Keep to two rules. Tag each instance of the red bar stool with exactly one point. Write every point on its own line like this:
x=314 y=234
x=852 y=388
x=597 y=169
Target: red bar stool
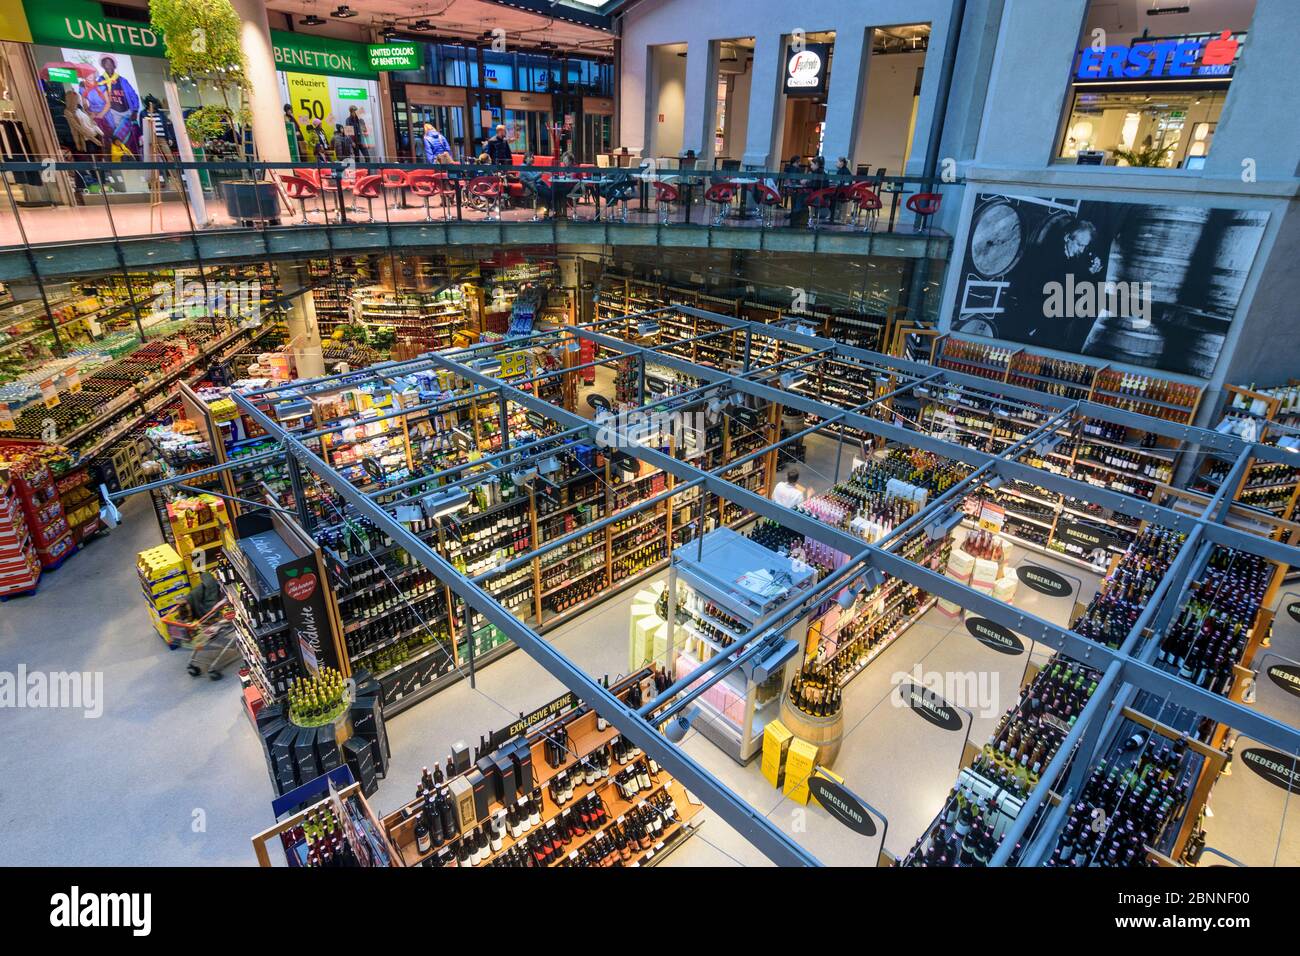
x=769 y=201
x=394 y=180
x=819 y=201
x=925 y=205
x=301 y=189
x=864 y=199
x=665 y=195
x=368 y=188
x=424 y=183
x=485 y=193
x=720 y=195
x=446 y=190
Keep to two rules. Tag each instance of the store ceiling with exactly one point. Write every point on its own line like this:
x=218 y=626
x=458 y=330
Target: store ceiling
x=462 y=19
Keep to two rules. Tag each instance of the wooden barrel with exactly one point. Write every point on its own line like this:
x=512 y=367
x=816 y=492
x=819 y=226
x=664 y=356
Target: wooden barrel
x=824 y=732
x=997 y=239
x=1196 y=260
x=1117 y=338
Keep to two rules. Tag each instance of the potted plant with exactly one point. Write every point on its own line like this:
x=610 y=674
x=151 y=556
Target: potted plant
x=1145 y=155
x=201 y=42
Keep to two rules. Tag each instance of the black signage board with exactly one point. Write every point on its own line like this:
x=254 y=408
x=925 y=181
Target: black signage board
x=842 y=804
x=1043 y=580
x=993 y=635
x=266 y=551
x=1293 y=609
x=373 y=469
x=807 y=67
x=538 y=716
x=1086 y=535
x=930 y=706
x=1279 y=769
x=338 y=568
x=302 y=592
x=1286 y=676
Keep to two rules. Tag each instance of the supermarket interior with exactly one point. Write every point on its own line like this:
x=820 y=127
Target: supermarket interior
x=574 y=454
x=748 y=564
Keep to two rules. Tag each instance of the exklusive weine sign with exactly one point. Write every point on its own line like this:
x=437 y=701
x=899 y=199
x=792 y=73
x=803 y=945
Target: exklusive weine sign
x=806 y=69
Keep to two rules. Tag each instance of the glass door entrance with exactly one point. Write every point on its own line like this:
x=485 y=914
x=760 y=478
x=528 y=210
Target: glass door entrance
x=448 y=120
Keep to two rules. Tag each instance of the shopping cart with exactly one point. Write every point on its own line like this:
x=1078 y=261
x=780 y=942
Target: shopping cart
x=210 y=640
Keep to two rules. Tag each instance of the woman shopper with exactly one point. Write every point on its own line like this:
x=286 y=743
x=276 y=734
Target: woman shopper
x=436 y=147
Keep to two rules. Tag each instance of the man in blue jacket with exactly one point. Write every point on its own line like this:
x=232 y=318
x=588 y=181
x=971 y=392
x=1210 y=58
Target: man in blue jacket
x=436 y=147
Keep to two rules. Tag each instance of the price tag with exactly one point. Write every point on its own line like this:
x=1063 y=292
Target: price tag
x=6 y=419
x=50 y=394
x=74 y=383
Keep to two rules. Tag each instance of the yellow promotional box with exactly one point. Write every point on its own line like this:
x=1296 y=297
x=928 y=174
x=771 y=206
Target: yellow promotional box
x=799 y=762
x=776 y=740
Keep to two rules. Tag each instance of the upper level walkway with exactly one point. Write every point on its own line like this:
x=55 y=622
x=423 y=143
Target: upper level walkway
x=61 y=219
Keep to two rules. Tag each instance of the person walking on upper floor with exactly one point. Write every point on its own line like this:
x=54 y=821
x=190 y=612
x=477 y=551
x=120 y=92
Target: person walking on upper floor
x=360 y=134
x=341 y=144
x=436 y=147
x=498 y=149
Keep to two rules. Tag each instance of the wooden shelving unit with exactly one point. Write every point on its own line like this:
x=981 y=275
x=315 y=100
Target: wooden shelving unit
x=584 y=739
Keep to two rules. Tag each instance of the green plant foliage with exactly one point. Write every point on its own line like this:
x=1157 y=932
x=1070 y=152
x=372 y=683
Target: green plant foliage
x=201 y=40
x=1144 y=155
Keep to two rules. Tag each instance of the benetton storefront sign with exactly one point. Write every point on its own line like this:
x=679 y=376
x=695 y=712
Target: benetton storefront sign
x=306 y=53
x=82 y=24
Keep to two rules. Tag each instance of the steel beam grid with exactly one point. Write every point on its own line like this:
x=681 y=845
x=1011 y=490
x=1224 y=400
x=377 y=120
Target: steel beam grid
x=755 y=827
x=766 y=837
x=1006 y=468
x=1082 y=649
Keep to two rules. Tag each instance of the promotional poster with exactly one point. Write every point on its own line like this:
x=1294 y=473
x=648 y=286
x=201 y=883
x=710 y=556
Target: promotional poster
x=1156 y=286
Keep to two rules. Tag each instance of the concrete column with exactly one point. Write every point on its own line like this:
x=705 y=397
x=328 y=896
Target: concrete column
x=304 y=337
x=304 y=330
x=701 y=99
x=269 y=140
x=848 y=72
x=1249 y=144
x=185 y=153
x=766 y=102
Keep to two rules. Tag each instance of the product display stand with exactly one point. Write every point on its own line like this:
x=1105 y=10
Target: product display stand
x=1266 y=486
x=561 y=771
x=358 y=825
x=727 y=583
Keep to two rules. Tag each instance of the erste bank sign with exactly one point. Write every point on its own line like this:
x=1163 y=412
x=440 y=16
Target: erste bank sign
x=1160 y=60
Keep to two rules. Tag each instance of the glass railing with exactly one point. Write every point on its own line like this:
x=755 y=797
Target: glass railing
x=52 y=204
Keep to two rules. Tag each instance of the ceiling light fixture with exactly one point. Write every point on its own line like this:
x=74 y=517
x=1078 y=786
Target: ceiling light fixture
x=344 y=12
x=311 y=20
